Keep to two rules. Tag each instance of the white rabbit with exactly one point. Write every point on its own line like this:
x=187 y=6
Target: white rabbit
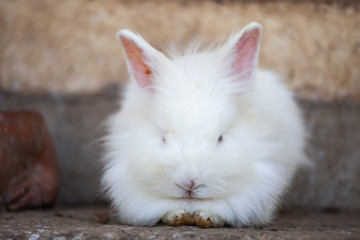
x=204 y=136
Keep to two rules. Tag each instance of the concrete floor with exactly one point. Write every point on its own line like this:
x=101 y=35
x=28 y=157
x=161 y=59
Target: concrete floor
x=97 y=223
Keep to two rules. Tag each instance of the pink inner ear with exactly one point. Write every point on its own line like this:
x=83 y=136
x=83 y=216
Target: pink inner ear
x=246 y=51
x=140 y=71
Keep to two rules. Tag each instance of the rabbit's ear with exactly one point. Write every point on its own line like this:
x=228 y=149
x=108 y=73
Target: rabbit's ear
x=245 y=51
x=141 y=58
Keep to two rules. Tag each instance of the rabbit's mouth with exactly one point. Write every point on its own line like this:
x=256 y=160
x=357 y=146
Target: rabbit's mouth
x=190 y=194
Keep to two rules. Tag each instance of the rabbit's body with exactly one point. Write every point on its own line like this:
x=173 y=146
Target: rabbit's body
x=198 y=137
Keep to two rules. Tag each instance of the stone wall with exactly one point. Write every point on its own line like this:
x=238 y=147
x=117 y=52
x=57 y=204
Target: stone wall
x=69 y=46
x=75 y=123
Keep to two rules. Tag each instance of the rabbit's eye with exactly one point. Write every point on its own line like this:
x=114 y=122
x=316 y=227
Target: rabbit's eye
x=220 y=139
x=164 y=140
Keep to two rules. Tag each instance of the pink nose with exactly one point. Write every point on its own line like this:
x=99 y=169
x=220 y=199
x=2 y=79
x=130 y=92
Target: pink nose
x=191 y=184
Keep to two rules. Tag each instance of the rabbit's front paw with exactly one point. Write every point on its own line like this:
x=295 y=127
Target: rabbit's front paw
x=207 y=219
x=178 y=217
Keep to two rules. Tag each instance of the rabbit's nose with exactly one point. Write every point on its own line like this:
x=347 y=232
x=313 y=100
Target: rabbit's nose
x=191 y=184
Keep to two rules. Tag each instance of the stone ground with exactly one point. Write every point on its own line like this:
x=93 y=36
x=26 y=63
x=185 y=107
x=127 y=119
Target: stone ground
x=97 y=223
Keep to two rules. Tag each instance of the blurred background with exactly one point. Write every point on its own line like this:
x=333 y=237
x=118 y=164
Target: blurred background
x=61 y=59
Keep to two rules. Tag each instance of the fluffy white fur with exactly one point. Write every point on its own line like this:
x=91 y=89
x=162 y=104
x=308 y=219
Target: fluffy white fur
x=167 y=134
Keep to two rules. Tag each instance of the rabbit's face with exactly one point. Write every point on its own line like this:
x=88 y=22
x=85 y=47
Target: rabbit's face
x=189 y=145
